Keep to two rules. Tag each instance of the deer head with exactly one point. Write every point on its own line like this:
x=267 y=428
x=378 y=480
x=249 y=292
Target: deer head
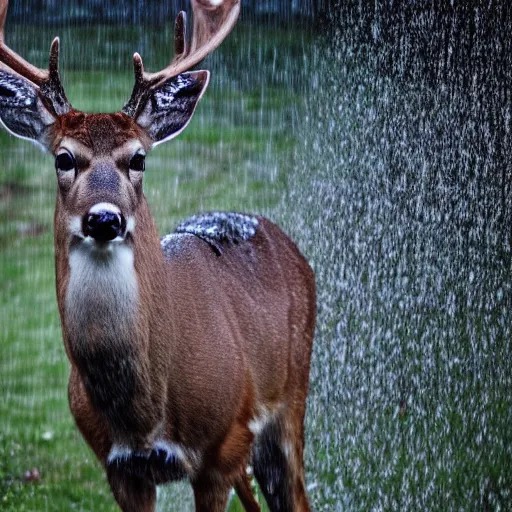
x=99 y=158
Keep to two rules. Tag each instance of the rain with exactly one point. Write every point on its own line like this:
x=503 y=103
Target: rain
x=377 y=134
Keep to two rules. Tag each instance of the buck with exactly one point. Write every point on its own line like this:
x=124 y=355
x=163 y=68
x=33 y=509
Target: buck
x=189 y=355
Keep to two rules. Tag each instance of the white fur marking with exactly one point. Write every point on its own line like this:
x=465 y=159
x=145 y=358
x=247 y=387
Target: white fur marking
x=119 y=452
x=288 y=450
x=258 y=423
x=130 y=224
x=133 y=146
x=75 y=226
x=104 y=207
x=170 y=449
x=101 y=281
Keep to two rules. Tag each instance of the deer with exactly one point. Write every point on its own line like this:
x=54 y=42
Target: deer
x=189 y=355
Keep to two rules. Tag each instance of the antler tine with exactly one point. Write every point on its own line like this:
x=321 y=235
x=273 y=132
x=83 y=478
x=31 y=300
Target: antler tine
x=213 y=21
x=180 y=35
x=3 y=16
x=48 y=80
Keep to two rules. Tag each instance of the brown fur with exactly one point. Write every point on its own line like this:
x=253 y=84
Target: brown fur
x=99 y=132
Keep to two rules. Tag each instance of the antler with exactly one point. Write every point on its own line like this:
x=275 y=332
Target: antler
x=213 y=21
x=48 y=80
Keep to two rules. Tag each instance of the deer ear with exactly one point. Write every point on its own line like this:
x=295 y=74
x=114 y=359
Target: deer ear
x=169 y=108
x=21 y=110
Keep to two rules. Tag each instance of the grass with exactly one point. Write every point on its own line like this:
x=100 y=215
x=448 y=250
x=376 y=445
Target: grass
x=226 y=160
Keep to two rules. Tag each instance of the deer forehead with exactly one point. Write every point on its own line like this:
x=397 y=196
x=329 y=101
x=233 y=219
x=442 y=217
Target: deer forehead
x=115 y=153
x=92 y=135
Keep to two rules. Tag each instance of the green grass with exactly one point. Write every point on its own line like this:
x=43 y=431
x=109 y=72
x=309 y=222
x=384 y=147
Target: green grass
x=226 y=160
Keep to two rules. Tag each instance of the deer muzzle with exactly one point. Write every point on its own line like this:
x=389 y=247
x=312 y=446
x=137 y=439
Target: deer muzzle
x=104 y=222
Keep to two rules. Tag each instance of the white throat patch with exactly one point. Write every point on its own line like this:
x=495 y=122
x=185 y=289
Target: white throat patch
x=102 y=289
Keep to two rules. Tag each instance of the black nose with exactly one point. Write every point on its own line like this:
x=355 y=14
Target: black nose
x=104 y=225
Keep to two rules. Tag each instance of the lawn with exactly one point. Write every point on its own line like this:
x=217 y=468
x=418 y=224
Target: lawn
x=228 y=159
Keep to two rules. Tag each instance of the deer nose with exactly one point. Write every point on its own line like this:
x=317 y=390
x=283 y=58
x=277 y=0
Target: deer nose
x=104 y=225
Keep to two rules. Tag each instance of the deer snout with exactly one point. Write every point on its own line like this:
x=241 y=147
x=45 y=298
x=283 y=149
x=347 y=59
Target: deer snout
x=104 y=223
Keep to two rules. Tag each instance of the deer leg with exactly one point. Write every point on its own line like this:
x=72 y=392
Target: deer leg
x=131 y=493
x=210 y=495
x=245 y=492
x=279 y=468
x=91 y=425
x=293 y=447
x=294 y=452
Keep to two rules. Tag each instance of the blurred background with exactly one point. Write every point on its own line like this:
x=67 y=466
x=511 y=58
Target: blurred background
x=157 y=12
x=378 y=135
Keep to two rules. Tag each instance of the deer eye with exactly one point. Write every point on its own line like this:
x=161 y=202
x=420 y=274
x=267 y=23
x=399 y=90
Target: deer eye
x=138 y=162
x=65 y=162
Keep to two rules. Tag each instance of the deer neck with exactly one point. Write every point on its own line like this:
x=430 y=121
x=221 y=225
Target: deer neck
x=105 y=304
x=108 y=289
